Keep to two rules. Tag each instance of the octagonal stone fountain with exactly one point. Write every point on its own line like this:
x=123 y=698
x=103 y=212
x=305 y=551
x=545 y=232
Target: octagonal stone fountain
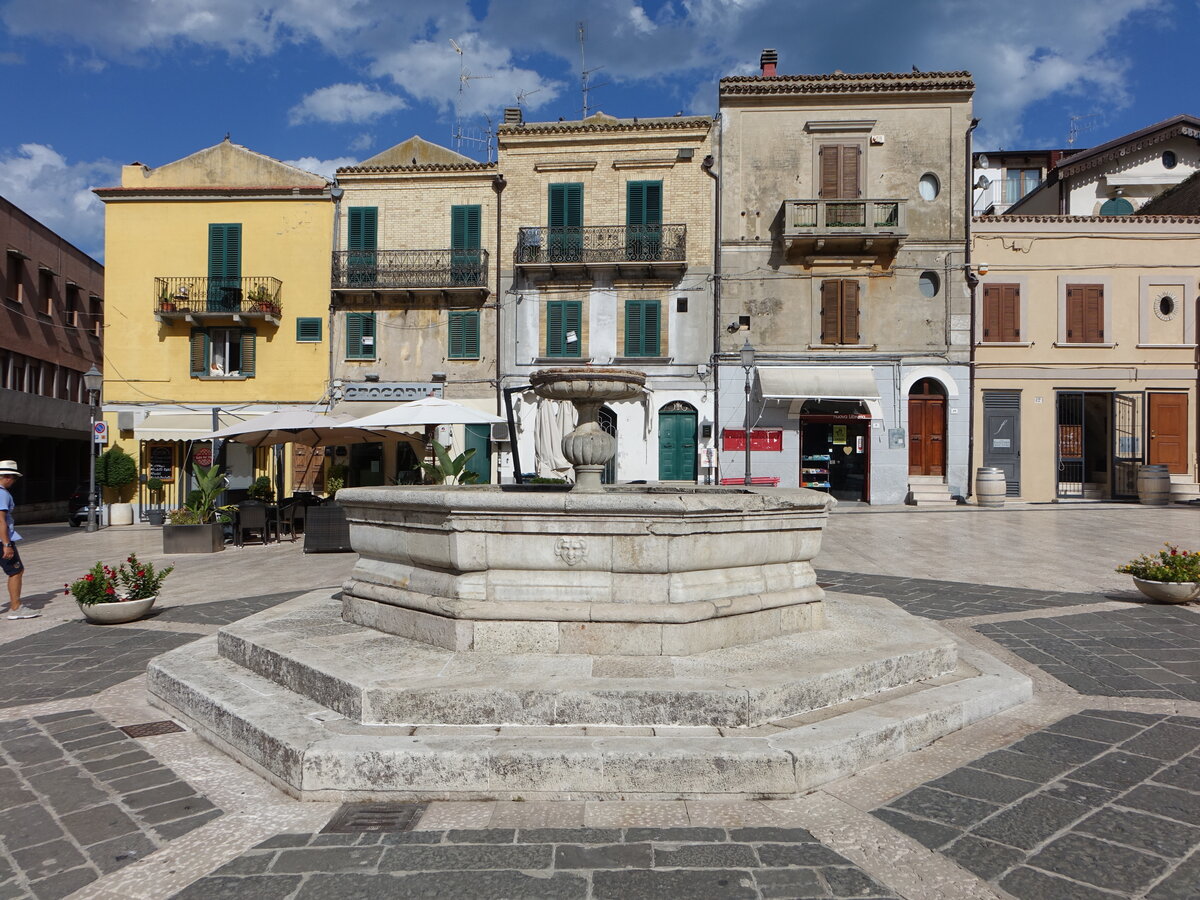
x=607 y=641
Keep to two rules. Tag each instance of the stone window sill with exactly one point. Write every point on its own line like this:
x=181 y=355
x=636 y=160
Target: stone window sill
x=1077 y=345
x=643 y=360
x=1004 y=343
x=221 y=377
x=561 y=360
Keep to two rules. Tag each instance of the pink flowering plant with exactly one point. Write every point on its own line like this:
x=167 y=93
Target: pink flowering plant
x=1171 y=565
x=131 y=580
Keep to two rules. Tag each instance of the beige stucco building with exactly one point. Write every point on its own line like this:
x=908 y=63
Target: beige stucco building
x=1085 y=356
x=611 y=220
x=843 y=225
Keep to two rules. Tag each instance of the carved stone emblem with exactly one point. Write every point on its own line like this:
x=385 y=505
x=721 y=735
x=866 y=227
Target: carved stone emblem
x=572 y=551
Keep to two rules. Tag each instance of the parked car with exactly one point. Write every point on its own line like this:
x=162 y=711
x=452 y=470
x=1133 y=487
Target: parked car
x=77 y=507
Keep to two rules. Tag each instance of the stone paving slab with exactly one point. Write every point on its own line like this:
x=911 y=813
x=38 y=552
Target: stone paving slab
x=1098 y=804
x=82 y=799
x=950 y=599
x=223 y=612
x=627 y=863
x=1142 y=651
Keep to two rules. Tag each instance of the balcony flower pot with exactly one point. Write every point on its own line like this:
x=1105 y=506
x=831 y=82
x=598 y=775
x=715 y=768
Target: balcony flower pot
x=117 y=612
x=207 y=538
x=1168 y=591
x=155 y=516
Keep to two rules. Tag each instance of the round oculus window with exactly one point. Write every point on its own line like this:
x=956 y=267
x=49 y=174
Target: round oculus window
x=1169 y=160
x=929 y=284
x=1165 y=307
x=929 y=186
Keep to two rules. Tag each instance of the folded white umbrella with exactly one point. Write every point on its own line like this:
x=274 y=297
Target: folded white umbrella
x=295 y=426
x=426 y=411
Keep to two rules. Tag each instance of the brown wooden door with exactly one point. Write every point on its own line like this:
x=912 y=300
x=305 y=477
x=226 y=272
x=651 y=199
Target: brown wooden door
x=926 y=429
x=1168 y=431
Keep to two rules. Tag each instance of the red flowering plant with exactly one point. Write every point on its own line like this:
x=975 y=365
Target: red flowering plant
x=132 y=580
x=1171 y=565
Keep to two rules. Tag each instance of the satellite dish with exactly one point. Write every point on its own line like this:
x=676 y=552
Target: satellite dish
x=983 y=183
x=982 y=161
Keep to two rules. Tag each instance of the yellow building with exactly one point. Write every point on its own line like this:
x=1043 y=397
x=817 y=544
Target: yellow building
x=218 y=269
x=1085 y=352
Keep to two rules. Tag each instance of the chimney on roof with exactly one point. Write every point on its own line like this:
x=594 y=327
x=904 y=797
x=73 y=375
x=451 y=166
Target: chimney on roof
x=513 y=116
x=768 y=60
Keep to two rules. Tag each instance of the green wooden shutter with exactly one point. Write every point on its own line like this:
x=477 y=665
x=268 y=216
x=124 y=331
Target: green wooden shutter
x=565 y=218
x=364 y=228
x=248 y=354
x=199 y=352
x=308 y=330
x=224 y=267
x=360 y=336
x=465 y=241
x=563 y=316
x=554 y=328
x=642 y=324
x=643 y=218
x=464 y=334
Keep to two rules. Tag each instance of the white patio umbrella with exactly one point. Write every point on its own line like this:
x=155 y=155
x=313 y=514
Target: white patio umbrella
x=426 y=411
x=296 y=426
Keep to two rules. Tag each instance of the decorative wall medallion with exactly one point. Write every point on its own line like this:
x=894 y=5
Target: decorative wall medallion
x=572 y=551
x=1166 y=306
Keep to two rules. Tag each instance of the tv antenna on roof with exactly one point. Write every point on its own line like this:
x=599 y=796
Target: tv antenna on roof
x=460 y=136
x=1074 y=129
x=521 y=95
x=584 y=72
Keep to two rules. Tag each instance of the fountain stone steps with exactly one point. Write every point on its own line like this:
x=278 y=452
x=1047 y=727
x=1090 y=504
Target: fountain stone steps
x=869 y=646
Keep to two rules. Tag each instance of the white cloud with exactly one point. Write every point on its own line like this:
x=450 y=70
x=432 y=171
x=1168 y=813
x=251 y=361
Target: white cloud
x=58 y=193
x=340 y=103
x=363 y=142
x=323 y=167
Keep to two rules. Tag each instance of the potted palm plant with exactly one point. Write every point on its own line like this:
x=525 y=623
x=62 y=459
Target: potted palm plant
x=1169 y=576
x=198 y=526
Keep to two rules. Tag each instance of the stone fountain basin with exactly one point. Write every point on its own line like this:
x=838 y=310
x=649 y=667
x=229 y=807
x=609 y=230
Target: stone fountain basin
x=634 y=571
x=575 y=384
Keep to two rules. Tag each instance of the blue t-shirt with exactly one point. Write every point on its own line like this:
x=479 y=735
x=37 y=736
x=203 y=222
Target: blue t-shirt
x=7 y=505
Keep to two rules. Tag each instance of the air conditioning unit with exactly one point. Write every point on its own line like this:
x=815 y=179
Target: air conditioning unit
x=125 y=421
x=500 y=432
x=685 y=153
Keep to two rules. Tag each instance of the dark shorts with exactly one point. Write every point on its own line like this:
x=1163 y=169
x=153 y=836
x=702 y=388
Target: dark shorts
x=12 y=566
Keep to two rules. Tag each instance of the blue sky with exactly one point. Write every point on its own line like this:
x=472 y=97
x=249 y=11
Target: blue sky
x=93 y=84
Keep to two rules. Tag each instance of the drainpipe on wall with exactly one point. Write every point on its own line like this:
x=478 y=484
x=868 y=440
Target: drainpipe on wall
x=498 y=185
x=707 y=167
x=972 y=283
x=335 y=192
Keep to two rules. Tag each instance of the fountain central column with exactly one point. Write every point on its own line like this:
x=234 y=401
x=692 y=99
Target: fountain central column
x=589 y=447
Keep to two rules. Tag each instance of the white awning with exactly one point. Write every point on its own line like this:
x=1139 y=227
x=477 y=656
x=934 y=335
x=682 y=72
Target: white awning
x=164 y=426
x=817 y=383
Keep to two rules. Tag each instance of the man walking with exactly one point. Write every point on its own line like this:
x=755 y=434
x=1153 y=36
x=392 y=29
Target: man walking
x=10 y=561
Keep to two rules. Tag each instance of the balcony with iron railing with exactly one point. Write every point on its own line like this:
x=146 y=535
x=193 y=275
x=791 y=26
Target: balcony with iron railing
x=840 y=226
x=398 y=271
x=195 y=297
x=645 y=248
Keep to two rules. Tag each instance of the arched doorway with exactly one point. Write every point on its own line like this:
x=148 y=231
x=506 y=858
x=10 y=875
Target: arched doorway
x=927 y=428
x=607 y=420
x=677 y=442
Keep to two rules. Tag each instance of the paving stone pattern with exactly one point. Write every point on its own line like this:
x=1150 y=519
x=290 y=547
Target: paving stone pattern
x=950 y=599
x=80 y=799
x=223 y=612
x=1144 y=651
x=1097 y=805
x=77 y=660
x=622 y=864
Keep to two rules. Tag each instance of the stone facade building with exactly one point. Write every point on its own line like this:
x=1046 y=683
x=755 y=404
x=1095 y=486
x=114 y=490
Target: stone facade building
x=611 y=220
x=51 y=322
x=843 y=225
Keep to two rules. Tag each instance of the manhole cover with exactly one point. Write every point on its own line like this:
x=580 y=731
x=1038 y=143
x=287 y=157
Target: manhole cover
x=149 y=729
x=354 y=817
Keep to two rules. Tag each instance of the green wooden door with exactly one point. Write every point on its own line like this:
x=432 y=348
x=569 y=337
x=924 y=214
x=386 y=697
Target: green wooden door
x=677 y=445
x=362 y=240
x=465 y=241
x=224 y=267
x=479 y=439
x=565 y=240
x=643 y=221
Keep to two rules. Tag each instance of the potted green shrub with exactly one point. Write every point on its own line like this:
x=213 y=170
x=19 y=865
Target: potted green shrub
x=261 y=490
x=155 y=487
x=1169 y=576
x=198 y=526
x=108 y=596
x=115 y=471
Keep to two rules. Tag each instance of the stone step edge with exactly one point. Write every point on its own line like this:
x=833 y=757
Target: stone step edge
x=281 y=736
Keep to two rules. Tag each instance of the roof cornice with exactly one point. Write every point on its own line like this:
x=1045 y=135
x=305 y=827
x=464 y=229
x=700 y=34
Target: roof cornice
x=841 y=83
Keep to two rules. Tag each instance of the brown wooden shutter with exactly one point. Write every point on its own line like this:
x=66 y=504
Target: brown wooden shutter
x=849 y=312
x=830 y=318
x=1093 y=314
x=830 y=171
x=850 y=181
x=1009 y=312
x=991 y=312
x=1074 y=314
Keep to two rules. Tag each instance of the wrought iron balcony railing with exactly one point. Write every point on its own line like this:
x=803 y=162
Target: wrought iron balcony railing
x=399 y=270
x=602 y=244
x=855 y=218
x=195 y=295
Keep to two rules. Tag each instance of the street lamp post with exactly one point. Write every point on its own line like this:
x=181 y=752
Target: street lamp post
x=93 y=380
x=747 y=354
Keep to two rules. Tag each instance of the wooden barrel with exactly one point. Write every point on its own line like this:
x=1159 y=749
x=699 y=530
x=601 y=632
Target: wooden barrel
x=990 y=486
x=1154 y=485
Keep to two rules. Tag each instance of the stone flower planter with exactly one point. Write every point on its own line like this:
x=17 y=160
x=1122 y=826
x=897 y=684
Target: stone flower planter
x=1168 y=591
x=116 y=613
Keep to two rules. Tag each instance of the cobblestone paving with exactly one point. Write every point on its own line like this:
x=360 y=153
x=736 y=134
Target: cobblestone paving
x=81 y=799
x=1097 y=805
x=950 y=599
x=77 y=660
x=1144 y=651
x=223 y=612
x=631 y=863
